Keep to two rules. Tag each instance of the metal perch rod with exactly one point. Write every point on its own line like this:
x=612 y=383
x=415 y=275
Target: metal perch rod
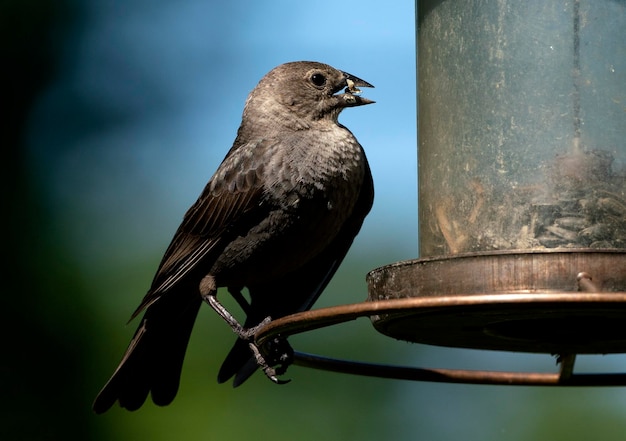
x=319 y=318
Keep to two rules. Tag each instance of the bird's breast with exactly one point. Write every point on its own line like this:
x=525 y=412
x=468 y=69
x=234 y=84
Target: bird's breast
x=327 y=178
x=309 y=196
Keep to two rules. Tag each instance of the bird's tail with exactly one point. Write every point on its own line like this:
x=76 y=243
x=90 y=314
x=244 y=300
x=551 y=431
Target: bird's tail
x=153 y=361
x=239 y=363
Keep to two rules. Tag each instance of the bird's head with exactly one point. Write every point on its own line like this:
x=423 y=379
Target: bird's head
x=307 y=91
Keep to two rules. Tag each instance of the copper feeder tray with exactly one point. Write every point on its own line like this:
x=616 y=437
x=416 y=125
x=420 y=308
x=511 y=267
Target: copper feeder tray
x=555 y=302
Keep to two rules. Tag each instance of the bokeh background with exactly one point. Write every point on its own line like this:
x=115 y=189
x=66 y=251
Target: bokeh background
x=115 y=114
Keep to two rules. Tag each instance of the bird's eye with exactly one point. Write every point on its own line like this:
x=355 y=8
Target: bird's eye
x=318 y=79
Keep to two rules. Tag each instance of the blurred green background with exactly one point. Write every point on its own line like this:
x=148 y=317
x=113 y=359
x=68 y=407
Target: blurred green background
x=115 y=114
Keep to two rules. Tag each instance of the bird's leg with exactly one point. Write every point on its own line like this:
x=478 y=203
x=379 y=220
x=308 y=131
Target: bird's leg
x=208 y=291
x=211 y=299
x=243 y=333
x=280 y=353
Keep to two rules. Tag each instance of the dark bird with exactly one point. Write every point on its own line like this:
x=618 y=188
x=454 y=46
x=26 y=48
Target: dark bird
x=277 y=217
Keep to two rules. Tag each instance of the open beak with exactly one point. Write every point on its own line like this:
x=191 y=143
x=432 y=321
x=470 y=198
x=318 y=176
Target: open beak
x=351 y=92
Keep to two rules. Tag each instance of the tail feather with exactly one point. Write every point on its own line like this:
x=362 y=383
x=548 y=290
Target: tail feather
x=154 y=358
x=239 y=363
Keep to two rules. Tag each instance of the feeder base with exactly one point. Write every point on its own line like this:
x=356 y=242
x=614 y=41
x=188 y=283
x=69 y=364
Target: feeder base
x=559 y=302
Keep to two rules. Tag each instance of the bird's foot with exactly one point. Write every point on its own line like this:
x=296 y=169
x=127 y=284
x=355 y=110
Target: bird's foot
x=277 y=360
x=277 y=352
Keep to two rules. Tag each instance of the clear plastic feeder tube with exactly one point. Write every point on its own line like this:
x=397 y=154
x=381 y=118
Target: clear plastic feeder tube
x=522 y=125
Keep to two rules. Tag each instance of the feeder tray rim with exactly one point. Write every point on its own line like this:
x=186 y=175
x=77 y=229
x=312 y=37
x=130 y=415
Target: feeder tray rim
x=495 y=253
x=323 y=317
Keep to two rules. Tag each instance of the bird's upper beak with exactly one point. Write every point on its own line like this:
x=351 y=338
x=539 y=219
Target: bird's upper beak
x=355 y=81
x=351 y=92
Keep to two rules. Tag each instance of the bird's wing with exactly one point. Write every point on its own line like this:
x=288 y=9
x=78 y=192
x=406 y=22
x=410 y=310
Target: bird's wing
x=225 y=207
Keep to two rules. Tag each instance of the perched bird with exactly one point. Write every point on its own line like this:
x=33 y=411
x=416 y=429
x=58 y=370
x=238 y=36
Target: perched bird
x=277 y=218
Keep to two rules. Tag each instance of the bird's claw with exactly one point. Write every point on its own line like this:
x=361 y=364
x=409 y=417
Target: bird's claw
x=280 y=354
x=273 y=373
x=275 y=379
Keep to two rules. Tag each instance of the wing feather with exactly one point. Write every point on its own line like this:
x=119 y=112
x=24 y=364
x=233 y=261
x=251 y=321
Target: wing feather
x=222 y=210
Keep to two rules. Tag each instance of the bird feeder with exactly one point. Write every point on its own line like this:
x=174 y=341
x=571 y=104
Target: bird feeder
x=522 y=191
